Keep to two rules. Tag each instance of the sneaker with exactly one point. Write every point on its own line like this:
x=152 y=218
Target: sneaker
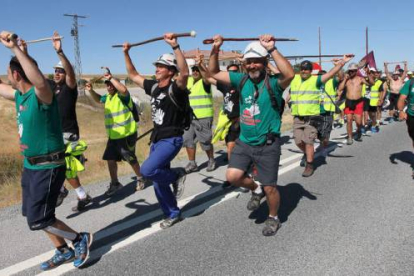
x=179 y=184
x=191 y=167
x=113 y=187
x=59 y=258
x=271 y=227
x=358 y=136
x=349 y=141
x=62 y=196
x=211 y=165
x=82 y=249
x=308 y=170
x=226 y=185
x=140 y=184
x=324 y=153
x=82 y=203
x=168 y=222
x=363 y=131
x=303 y=161
x=254 y=202
x=374 y=130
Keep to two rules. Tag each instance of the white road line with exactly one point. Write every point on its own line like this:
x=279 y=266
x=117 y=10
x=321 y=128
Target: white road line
x=16 y=268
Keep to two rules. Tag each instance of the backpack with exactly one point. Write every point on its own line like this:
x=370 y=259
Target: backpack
x=184 y=107
x=135 y=110
x=272 y=96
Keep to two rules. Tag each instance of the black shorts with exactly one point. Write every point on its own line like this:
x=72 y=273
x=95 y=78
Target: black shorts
x=366 y=104
x=324 y=131
x=372 y=108
x=234 y=132
x=121 y=149
x=410 y=126
x=40 y=190
x=266 y=159
x=393 y=101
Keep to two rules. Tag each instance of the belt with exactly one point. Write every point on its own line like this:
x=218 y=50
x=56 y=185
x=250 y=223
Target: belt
x=57 y=158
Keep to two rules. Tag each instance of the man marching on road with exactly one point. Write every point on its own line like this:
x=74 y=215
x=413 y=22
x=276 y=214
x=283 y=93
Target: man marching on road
x=396 y=82
x=201 y=100
x=260 y=105
x=306 y=99
x=407 y=95
x=168 y=101
x=66 y=90
x=354 y=104
x=374 y=101
x=42 y=146
x=121 y=128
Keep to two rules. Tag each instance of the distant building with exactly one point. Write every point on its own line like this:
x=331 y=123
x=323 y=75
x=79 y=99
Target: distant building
x=225 y=57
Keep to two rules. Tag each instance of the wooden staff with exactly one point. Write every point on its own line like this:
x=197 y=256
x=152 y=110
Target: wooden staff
x=395 y=62
x=211 y=41
x=316 y=56
x=43 y=39
x=192 y=34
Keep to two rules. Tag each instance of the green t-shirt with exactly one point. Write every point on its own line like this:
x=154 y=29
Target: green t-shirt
x=124 y=98
x=257 y=116
x=39 y=127
x=410 y=97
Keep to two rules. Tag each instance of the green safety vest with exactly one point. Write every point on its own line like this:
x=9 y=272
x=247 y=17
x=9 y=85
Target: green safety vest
x=119 y=121
x=375 y=93
x=331 y=91
x=305 y=96
x=200 y=100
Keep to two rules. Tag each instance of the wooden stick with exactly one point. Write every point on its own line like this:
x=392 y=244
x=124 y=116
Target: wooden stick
x=395 y=62
x=211 y=41
x=192 y=34
x=314 y=56
x=43 y=39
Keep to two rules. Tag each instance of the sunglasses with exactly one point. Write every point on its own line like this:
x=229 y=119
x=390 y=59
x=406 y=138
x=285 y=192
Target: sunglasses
x=352 y=71
x=60 y=71
x=305 y=69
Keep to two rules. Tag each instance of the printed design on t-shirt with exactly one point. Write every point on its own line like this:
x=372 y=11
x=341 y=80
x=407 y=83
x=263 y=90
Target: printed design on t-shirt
x=228 y=105
x=248 y=114
x=20 y=128
x=157 y=112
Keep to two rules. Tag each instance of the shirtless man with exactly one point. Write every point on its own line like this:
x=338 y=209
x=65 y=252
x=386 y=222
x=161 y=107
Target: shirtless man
x=396 y=82
x=354 y=105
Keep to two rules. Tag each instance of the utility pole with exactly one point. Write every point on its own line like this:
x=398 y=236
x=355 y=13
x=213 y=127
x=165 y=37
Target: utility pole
x=366 y=41
x=75 y=33
x=320 y=48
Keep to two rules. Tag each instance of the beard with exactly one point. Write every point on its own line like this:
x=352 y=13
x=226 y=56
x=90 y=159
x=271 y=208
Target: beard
x=254 y=74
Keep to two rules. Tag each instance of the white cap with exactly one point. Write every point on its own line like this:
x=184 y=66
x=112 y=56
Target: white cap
x=352 y=66
x=254 y=50
x=409 y=73
x=168 y=60
x=59 y=65
x=373 y=69
x=383 y=75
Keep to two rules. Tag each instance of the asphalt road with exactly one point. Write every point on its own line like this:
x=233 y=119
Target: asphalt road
x=354 y=216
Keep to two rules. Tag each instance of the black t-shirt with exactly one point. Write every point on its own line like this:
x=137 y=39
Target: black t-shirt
x=230 y=100
x=66 y=98
x=167 y=118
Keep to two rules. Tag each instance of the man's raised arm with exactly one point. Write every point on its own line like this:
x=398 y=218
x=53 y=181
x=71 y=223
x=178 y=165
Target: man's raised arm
x=213 y=64
x=181 y=62
x=70 y=73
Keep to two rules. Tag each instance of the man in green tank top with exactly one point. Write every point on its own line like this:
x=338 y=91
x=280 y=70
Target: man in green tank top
x=41 y=143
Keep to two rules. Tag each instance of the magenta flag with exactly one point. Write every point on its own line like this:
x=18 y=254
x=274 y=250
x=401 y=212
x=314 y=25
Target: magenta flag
x=368 y=59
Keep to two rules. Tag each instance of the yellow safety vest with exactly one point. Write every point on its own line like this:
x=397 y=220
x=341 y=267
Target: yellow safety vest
x=375 y=93
x=73 y=165
x=331 y=91
x=200 y=100
x=119 y=121
x=305 y=96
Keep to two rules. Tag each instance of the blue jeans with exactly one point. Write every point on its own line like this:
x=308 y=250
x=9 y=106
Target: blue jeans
x=157 y=168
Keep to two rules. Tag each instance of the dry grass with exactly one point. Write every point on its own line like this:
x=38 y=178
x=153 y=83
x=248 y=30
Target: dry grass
x=91 y=123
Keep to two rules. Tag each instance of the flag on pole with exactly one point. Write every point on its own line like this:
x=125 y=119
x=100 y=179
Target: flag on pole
x=367 y=60
x=316 y=68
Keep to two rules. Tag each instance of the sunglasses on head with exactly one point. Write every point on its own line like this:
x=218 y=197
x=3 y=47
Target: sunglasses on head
x=60 y=71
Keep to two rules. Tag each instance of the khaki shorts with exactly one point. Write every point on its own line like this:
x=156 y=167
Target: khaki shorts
x=303 y=132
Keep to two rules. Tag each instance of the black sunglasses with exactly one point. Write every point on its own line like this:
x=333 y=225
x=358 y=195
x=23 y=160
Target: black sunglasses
x=60 y=71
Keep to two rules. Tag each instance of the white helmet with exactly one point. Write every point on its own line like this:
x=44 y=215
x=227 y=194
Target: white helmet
x=254 y=50
x=59 y=65
x=167 y=59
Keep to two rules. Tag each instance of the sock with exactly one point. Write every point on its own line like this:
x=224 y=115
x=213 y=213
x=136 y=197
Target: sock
x=275 y=217
x=80 y=192
x=62 y=189
x=193 y=162
x=62 y=248
x=258 y=190
x=211 y=160
x=77 y=239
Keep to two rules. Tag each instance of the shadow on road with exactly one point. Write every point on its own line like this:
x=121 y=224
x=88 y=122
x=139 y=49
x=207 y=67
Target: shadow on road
x=403 y=156
x=290 y=195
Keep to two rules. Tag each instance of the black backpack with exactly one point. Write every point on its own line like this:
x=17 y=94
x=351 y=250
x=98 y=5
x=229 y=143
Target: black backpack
x=269 y=89
x=184 y=107
x=134 y=110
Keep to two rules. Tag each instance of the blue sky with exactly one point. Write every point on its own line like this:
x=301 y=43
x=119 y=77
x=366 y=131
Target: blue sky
x=113 y=22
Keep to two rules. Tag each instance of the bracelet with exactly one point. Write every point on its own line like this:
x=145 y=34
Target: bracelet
x=271 y=50
x=176 y=47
